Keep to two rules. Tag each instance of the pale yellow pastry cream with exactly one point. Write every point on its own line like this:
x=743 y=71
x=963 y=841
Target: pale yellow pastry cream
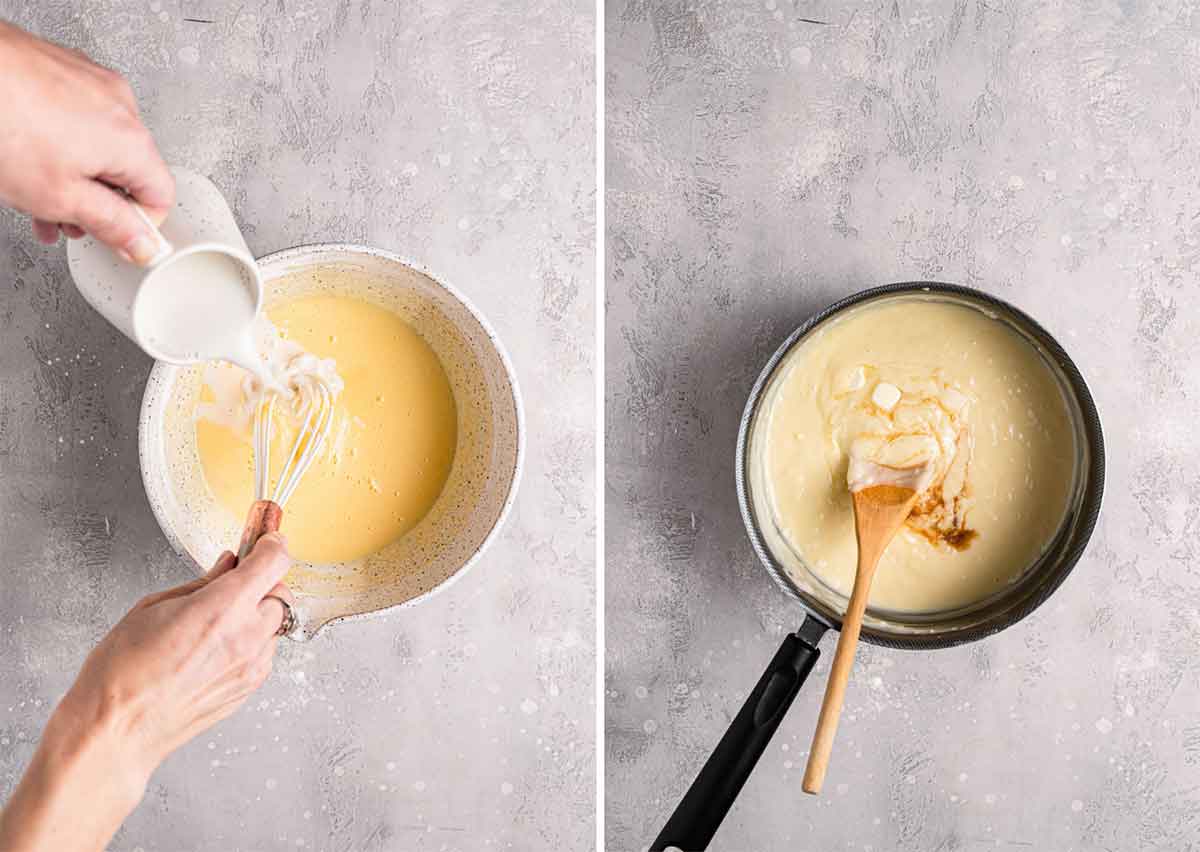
x=940 y=390
x=392 y=440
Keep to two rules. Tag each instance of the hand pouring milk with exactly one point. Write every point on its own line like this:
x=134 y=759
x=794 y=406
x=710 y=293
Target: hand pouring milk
x=198 y=299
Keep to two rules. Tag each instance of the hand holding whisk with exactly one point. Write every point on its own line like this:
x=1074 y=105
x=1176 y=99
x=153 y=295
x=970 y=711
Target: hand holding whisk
x=266 y=513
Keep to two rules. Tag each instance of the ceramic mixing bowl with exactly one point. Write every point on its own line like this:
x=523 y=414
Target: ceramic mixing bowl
x=482 y=482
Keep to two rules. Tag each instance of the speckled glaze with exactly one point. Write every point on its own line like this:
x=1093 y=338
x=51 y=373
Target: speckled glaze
x=479 y=490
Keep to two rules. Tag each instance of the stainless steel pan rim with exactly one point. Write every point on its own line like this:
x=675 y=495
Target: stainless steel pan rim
x=1038 y=583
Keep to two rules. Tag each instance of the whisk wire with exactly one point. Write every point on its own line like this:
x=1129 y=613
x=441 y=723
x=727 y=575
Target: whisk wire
x=263 y=422
x=318 y=417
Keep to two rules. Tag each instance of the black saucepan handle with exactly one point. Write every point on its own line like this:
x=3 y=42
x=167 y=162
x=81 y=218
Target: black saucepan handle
x=711 y=795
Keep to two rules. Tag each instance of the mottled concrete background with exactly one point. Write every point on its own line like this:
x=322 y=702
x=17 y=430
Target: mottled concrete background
x=460 y=134
x=761 y=165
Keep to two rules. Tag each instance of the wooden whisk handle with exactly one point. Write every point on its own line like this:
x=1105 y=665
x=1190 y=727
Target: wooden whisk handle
x=265 y=517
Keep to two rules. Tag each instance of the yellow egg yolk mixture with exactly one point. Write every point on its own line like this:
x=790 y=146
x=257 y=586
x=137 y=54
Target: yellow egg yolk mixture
x=390 y=447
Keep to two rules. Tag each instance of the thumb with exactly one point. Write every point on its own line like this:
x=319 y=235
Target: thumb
x=112 y=218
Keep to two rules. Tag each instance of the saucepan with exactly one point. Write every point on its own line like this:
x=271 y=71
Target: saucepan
x=483 y=478
x=714 y=790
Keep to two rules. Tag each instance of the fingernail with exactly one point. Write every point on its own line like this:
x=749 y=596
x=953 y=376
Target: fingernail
x=141 y=250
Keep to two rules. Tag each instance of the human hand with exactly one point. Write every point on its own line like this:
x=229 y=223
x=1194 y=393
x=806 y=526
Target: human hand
x=184 y=659
x=176 y=664
x=70 y=135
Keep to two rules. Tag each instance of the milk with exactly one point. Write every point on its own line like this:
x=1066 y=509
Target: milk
x=201 y=306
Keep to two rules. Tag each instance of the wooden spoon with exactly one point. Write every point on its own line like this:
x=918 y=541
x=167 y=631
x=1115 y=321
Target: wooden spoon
x=879 y=512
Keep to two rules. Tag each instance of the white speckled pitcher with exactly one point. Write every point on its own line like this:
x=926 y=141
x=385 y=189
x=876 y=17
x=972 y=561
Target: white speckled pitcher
x=478 y=493
x=200 y=222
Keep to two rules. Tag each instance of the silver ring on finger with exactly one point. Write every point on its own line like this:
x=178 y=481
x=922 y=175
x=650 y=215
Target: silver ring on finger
x=289 y=621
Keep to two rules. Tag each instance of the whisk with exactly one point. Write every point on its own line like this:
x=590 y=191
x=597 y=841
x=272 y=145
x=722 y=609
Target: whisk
x=267 y=512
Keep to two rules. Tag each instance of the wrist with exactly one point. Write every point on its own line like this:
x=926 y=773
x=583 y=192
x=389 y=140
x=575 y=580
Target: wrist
x=90 y=743
x=76 y=791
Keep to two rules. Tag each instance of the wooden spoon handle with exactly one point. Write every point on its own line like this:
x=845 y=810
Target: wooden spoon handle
x=839 y=674
x=265 y=517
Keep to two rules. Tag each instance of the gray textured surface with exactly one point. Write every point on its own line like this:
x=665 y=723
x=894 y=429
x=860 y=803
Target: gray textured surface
x=759 y=167
x=459 y=135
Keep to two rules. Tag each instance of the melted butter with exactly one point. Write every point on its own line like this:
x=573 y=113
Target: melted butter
x=977 y=404
x=390 y=448
x=916 y=434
